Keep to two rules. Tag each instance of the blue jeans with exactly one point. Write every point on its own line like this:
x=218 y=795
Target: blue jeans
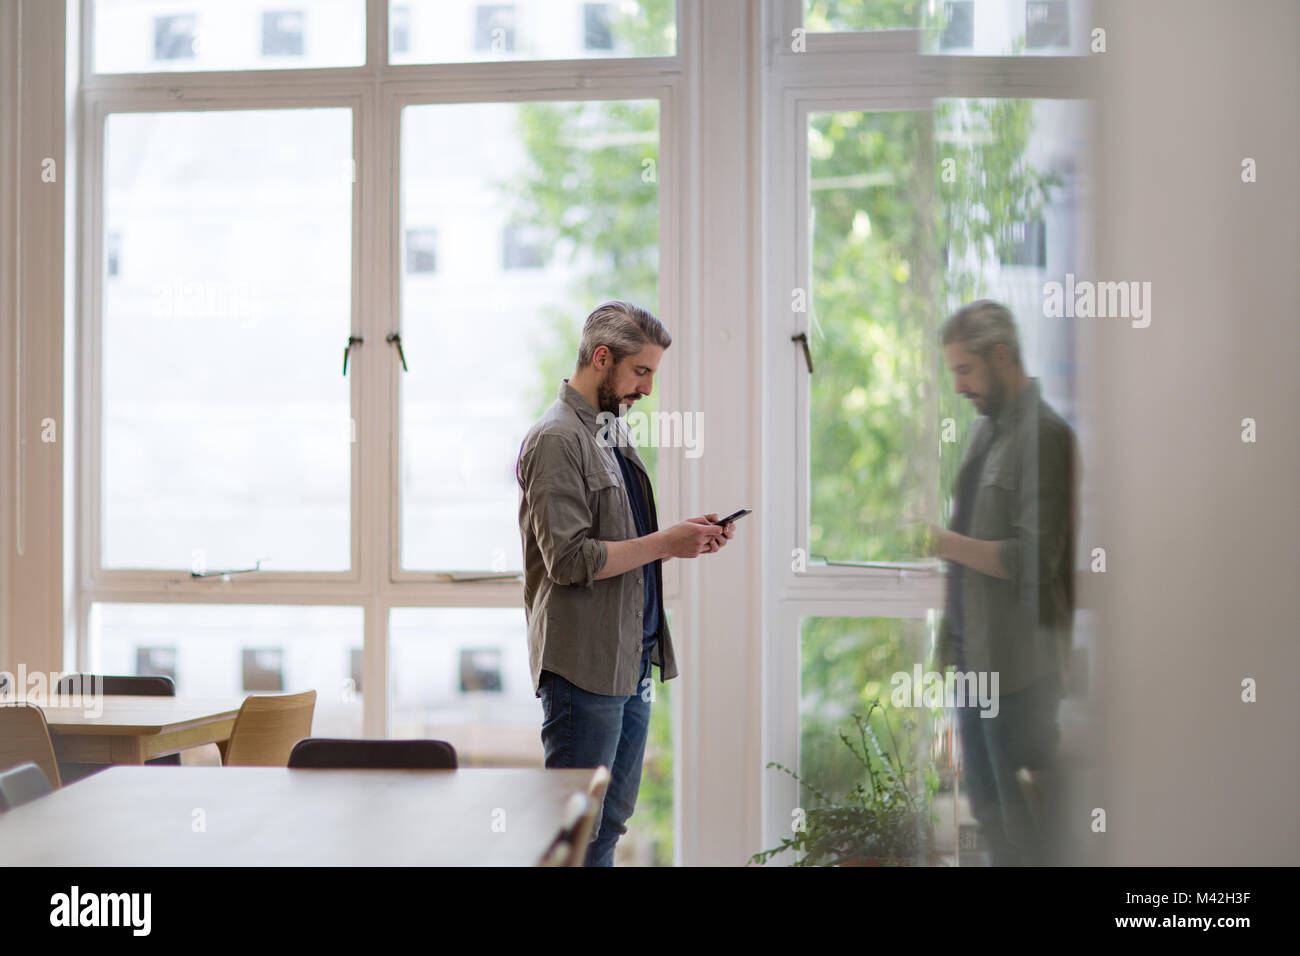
x=1023 y=734
x=582 y=729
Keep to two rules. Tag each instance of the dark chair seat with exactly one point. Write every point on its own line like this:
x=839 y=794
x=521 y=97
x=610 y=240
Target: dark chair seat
x=22 y=784
x=113 y=685
x=350 y=754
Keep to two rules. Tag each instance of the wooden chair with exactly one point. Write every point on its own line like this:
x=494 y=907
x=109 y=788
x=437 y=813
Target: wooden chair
x=352 y=754
x=570 y=846
x=23 y=784
x=567 y=845
x=25 y=738
x=266 y=730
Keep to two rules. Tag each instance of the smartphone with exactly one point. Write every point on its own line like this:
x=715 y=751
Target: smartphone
x=723 y=522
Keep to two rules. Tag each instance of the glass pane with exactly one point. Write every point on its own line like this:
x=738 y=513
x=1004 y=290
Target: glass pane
x=457 y=31
x=461 y=675
x=231 y=650
x=966 y=27
x=913 y=215
x=1014 y=218
x=872 y=445
x=846 y=664
x=154 y=36
x=517 y=220
x=227 y=434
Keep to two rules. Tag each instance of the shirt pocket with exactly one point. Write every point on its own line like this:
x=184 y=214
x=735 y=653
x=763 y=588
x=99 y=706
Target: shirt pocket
x=610 y=511
x=995 y=501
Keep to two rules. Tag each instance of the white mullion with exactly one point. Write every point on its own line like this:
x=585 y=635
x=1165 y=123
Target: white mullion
x=376 y=37
x=672 y=385
x=519 y=76
x=375 y=419
x=219 y=592
x=89 y=337
x=389 y=316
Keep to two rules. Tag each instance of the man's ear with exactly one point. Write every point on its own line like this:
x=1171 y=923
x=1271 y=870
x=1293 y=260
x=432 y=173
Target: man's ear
x=600 y=357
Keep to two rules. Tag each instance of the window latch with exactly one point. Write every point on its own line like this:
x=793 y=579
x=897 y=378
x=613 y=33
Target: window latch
x=802 y=339
x=395 y=338
x=352 y=340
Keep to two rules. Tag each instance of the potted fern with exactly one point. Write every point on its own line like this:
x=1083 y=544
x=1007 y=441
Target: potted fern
x=882 y=821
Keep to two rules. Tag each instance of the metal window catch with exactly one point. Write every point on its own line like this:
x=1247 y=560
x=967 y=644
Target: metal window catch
x=395 y=338
x=352 y=340
x=802 y=339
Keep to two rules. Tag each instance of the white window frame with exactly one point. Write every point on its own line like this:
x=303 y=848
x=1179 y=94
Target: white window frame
x=376 y=92
x=870 y=71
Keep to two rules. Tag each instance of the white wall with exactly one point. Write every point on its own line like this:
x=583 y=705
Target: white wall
x=32 y=116
x=1201 y=530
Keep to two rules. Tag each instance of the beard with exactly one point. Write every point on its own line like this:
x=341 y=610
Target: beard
x=607 y=397
x=996 y=397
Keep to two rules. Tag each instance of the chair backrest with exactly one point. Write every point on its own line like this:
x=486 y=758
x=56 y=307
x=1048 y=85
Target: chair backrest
x=149 y=685
x=23 y=784
x=569 y=848
x=599 y=784
x=25 y=738
x=267 y=728
x=596 y=799
x=351 y=754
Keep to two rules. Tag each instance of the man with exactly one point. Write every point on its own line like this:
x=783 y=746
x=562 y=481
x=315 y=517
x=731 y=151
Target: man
x=1010 y=596
x=593 y=556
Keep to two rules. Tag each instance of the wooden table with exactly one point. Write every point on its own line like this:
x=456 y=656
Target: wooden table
x=273 y=816
x=135 y=729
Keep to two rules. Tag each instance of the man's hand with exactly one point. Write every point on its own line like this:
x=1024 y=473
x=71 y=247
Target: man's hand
x=694 y=536
x=727 y=533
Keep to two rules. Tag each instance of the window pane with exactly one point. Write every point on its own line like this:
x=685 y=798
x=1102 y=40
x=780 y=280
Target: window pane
x=227 y=433
x=914 y=214
x=968 y=27
x=872 y=446
x=518 y=220
x=230 y=650
x=151 y=36
x=847 y=663
x=455 y=31
x=461 y=675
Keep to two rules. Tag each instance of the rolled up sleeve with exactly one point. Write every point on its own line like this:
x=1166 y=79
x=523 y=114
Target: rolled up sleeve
x=555 y=495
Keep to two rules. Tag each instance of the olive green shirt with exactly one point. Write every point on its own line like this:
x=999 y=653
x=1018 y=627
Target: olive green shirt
x=571 y=501
x=1021 y=627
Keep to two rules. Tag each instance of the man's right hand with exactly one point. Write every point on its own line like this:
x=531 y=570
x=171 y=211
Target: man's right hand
x=692 y=537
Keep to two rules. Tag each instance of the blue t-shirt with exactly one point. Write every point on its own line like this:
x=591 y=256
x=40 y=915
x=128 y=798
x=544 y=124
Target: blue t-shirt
x=641 y=515
x=968 y=482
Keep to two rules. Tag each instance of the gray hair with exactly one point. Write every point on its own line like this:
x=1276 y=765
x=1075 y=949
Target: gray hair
x=980 y=326
x=621 y=327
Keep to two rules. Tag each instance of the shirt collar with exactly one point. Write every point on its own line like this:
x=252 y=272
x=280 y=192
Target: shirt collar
x=573 y=398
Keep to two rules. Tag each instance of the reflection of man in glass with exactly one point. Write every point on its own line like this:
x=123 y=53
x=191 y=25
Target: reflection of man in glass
x=1010 y=548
